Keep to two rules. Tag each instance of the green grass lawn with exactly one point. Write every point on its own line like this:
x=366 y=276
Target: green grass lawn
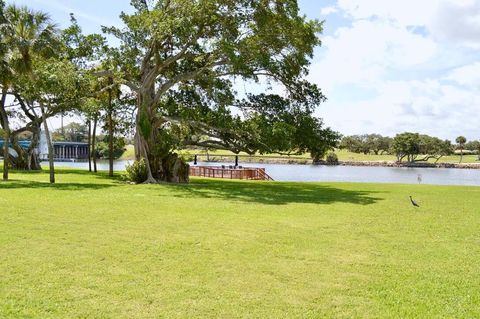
x=90 y=247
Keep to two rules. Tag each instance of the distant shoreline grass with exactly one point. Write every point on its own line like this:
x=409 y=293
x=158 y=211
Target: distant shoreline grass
x=343 y=156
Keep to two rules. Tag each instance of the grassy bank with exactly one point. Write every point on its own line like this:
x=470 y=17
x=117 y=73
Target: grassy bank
x=129 y=153
x=92 y=247
x=343 y=155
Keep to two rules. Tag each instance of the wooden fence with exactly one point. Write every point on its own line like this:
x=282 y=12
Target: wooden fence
x=249 y=173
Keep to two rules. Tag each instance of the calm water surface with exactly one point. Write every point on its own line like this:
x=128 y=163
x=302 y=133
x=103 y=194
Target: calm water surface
x=313 y=173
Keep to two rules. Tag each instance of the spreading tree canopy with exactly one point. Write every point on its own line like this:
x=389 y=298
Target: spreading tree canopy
x=181 y=59
x=419 y=147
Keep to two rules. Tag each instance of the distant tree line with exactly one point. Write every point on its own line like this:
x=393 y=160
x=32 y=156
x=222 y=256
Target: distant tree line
x=410 y=147
x=366 y=143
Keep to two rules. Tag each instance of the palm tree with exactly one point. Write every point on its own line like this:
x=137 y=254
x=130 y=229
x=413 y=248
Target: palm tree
x=24 y=35
x=461 y=140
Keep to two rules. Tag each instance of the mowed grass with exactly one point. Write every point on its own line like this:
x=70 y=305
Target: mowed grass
x=91 y=247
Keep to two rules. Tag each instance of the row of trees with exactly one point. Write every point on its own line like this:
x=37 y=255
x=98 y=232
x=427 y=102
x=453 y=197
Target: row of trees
x=45 y=72
x=412 y=147
x=171 y=78
x=367 y=143
x=420 y=147
x=472 y=146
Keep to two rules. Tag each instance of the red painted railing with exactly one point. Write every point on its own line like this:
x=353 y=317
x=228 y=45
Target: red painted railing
x=248 y=173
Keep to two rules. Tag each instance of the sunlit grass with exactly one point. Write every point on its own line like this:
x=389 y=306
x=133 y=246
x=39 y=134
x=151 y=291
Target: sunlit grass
x=91 y=247
x=129 y=153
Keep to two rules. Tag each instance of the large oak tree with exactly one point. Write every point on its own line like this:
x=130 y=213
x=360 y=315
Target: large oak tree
x=173 y=51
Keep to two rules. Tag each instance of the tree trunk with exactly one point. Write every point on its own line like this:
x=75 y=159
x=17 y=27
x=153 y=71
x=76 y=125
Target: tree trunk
x=136 y=146
x=30 y=153
x=6 y=139
x=169 y=168
x=145 y=137
x=94 y=143
x=110 y=130
x=50 y=146
x=27 y=159
x=162 y=166
x=6 y=129
x=89 y=151
x=141 y=147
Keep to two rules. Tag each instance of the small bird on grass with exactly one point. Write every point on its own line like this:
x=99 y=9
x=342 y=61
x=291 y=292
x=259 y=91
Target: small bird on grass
x=414 y=203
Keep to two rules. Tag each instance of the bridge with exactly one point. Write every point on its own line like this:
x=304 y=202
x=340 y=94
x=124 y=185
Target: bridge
x=69 y=151
x=63 y=151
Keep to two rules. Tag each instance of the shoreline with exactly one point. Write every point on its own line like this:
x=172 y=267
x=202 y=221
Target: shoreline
x=403 y=164
x=291 y=161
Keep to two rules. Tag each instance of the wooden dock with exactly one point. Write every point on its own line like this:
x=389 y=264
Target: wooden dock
x=230 y=172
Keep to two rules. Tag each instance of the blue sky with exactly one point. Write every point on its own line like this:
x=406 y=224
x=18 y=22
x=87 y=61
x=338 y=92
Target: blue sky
x=385 y=66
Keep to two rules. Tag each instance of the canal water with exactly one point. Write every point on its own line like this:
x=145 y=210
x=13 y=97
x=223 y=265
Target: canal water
x=360 y=174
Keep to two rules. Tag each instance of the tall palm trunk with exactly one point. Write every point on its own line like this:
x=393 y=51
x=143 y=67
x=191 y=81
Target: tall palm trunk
x=94 y=143
x=89 y=142
x=49 y=144
x=5 y=154
x=6 y=129
x=110 y=130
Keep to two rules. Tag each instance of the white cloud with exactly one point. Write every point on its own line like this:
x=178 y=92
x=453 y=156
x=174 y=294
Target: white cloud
x=390 y=70
x=429 y=106
x=328 y=10
x=405 y=12
x=457 y=22
x=467 y=75
x=445 y=20
x=365 y=51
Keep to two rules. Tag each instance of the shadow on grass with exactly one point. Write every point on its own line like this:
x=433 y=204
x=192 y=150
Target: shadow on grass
x=91 y=183
x=19 y=184
x=70 y=171
x=244 y=191
x=274 y=193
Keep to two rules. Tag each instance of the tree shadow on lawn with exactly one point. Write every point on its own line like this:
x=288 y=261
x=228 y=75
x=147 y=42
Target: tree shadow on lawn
x=274 y=193
x=70 y=171
x=60 y=184
x=277 y=193
x=68 y=186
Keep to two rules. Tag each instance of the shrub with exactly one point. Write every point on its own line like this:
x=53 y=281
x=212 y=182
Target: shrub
x=136 y=172
x=332 y=158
